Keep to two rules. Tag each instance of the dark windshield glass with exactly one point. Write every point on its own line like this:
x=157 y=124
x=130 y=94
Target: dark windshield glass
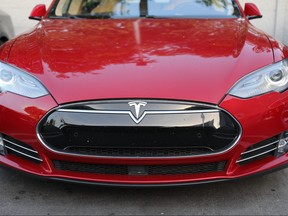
x=144 y=8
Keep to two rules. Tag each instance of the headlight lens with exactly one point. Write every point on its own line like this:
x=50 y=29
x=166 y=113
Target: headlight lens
x=271 y=78
x=19 y=82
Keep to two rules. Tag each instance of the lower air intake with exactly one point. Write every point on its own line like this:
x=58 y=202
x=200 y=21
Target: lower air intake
x=259 y=151
x=140 y=170
x=21 y=150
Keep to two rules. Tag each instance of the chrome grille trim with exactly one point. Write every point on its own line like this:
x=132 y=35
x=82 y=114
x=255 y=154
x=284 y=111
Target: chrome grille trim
x=143 y=115
x=19 y=146
x=26 y=155
x=256 y=149
x=147 y=112
x=21 y=149
x=137 y=152
x=255 y=156
x=213 y=108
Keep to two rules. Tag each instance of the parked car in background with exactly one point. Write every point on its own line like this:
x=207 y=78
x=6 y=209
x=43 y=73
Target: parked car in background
x=6 y=27
x=144 y=92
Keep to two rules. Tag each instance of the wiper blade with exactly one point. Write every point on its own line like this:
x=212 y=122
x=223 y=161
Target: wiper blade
x=104 y=16
x=154 y=17
x=94 y=16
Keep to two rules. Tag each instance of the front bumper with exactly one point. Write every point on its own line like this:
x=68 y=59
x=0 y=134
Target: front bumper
x=261 y=119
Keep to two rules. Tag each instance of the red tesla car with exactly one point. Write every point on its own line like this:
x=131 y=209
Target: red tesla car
x=144 y=92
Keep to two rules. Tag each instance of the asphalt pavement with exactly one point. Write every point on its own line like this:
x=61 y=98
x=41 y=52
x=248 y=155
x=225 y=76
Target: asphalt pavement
x=24 y=195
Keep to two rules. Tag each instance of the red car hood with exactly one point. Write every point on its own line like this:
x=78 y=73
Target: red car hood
x=184 y=59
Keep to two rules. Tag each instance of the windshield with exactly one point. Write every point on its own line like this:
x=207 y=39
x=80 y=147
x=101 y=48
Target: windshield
x=100 y=9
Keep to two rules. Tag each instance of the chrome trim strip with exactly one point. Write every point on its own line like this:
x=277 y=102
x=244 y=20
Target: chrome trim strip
x=252 y=150
x=67 y=148
x=38 y=159
x=62 y=107
x=245 y=159
x=137 y=121
x=20 y=146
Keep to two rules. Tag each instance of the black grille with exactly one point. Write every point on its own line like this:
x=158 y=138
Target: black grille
x=106 y=128
x=140 y=170
x=137 y=152
x=259 y=151
x=21 y=149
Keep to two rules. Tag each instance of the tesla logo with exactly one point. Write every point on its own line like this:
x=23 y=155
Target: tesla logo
x=137 y=106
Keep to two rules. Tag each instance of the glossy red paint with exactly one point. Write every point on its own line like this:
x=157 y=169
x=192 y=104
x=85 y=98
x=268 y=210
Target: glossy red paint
x=145 y=65
x=179 y=59
x=280 y=50
x=252 y=10
x=38 y=11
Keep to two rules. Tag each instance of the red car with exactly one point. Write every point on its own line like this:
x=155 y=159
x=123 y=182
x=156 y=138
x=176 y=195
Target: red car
x=144 y=92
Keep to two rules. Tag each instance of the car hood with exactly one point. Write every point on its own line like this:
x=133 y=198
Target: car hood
x=184 y=59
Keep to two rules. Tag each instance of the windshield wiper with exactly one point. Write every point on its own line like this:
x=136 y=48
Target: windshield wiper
x=103 y=16
x=154 y=17
x=94 y=16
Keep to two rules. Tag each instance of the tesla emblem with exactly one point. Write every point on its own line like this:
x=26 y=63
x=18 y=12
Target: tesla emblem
x=137 y=106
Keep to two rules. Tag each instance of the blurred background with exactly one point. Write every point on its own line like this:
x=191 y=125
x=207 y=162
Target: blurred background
x=274 y=21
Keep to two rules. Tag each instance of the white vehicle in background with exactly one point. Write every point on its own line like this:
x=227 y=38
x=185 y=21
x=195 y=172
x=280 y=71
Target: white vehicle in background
x=6 y=27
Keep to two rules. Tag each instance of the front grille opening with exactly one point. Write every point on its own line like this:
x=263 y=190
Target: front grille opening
x=20 y=149
x=168 y=129
x=140 y=170
x=264 y=149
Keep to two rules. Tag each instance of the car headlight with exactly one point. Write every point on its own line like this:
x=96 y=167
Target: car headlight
x=19 y=82
x=271 y=78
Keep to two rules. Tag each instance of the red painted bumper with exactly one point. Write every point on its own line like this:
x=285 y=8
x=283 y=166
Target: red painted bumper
x=261 y=118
